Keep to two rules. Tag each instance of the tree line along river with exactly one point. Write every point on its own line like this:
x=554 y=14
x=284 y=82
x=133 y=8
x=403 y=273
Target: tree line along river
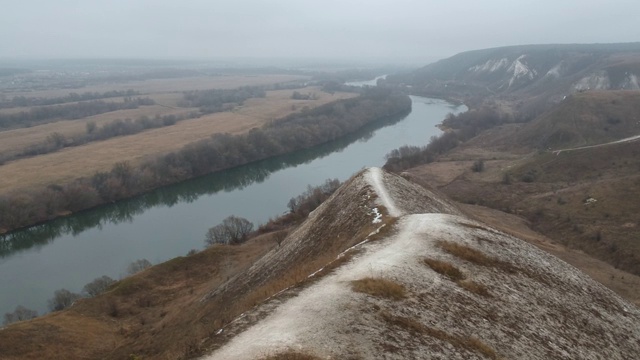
x=72 y=251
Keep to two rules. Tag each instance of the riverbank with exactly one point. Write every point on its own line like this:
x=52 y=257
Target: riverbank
x=170 y=221
x=222 y=152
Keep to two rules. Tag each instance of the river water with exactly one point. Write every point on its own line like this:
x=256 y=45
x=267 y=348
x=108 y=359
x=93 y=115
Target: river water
x=72 y=251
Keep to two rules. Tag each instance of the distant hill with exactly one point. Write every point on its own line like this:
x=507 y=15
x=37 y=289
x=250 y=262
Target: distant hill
x=529 y=72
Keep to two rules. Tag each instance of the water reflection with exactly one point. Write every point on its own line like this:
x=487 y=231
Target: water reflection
x=185 y=192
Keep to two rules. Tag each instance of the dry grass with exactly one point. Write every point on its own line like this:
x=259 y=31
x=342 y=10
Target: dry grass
x=470 y=254
x=445 y=268
x=291 y=355
x=71 y=163
x=14 y=141
x=453 y=273
x=155 y=314
x=623 y=283
x=380 y=288
x=415 y=327
x=466 y=253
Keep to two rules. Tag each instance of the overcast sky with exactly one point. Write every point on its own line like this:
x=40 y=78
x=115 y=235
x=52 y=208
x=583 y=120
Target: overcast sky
x=409 y=30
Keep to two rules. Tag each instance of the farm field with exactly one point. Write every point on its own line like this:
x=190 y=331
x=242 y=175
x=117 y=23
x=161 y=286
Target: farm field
x=73 y=162
x=154 y=86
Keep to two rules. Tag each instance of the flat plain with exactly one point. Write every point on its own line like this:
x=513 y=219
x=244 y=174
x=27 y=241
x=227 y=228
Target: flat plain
x=74 y=162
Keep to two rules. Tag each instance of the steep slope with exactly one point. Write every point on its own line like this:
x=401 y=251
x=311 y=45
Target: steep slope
x=349 y=217
x=532 y=73
x=438 y=286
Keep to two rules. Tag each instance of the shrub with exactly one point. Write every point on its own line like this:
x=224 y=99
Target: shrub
x=232 y=231
x=62 y=299
x=21 y=313
x=98 y=286
x=478 y=166
x=530 y=176
x=137 y=266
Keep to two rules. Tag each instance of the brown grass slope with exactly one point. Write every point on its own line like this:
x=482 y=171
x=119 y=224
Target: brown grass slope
x=584 y=119
x=156 y=314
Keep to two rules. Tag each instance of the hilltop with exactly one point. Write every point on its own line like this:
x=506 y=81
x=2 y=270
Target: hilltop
x=384 y=267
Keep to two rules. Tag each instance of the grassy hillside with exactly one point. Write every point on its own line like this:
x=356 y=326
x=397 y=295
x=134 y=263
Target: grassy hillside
x=583 y=119
x=523 y=175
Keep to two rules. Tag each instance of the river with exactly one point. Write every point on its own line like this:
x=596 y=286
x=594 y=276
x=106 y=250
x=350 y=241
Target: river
x=72 y=251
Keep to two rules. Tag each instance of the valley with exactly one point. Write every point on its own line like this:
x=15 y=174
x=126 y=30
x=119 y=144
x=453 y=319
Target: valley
x=512 y=233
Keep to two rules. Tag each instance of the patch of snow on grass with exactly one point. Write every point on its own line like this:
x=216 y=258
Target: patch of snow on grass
x=374 y=178
x=378 y=216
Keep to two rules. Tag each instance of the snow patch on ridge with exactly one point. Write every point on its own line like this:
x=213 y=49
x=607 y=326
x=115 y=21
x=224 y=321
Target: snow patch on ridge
x=631 y=82
x=554 y=71
x=374 y=178
x=378 y=216
x=520 y=70
x=597 y=81
x=490 y=66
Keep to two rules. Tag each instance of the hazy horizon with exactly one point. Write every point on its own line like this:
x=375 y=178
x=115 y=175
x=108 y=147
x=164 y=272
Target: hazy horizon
x=378 y=31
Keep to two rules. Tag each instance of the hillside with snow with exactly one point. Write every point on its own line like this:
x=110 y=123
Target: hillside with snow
x=423 y=281
x=547 y=72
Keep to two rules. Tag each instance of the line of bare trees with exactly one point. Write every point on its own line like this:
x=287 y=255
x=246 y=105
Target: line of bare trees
x=216 y=100
x=461 y=127
x=220 y=152
x=63 y=298
x=23 y=101
x=46 y=114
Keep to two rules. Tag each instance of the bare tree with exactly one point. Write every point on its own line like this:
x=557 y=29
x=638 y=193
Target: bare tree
x=233 y=230
x=98 y=286
x=20 y=314
x=137 y=266
x=279 y=236
x=62 y=299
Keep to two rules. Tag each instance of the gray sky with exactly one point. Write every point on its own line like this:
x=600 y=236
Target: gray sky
x=409 y=30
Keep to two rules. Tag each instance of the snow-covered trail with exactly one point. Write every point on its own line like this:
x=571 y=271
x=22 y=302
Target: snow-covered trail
x=374 y=178
x=629 y=139
x=316 y=318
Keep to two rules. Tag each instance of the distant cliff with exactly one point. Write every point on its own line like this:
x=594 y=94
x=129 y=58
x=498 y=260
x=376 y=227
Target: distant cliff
x=528 y=73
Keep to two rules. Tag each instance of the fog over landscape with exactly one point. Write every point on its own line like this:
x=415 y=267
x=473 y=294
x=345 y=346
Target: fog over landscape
x=306 y=180
x=384 y=30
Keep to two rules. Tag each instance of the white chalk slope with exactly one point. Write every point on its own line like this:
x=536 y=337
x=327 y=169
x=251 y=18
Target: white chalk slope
x=549 y=310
